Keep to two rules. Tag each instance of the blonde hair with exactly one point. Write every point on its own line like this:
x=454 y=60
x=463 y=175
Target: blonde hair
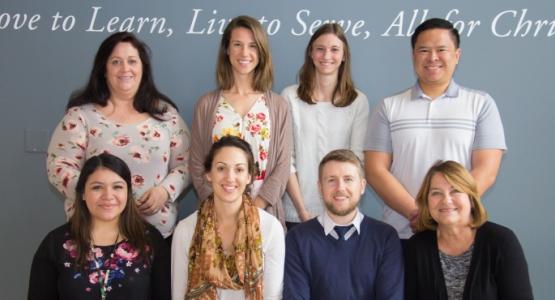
x=345 y=92
x=460 y=179
x=263 y=72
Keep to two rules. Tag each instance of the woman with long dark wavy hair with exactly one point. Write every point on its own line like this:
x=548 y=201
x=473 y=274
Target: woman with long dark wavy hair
x=120 y=111
x=106 y=250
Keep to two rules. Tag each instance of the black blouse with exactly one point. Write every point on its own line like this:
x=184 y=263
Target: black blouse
x=54 y=275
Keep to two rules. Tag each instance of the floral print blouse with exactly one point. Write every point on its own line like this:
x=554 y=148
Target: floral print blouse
x=254 y=128
x=156 y=151
x=54 y=274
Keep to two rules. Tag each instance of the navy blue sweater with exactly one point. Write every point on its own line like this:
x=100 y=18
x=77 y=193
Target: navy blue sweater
x=368 y=265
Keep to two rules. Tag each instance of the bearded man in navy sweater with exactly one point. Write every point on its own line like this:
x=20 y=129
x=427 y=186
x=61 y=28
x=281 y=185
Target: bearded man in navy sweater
x=343 y=254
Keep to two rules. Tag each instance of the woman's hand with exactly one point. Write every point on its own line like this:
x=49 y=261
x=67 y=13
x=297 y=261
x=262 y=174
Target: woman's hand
x=413 y=219
x=153 y=200
x=305 y=216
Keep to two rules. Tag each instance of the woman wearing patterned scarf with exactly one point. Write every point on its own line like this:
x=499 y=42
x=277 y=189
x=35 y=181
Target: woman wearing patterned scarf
x=229 y=248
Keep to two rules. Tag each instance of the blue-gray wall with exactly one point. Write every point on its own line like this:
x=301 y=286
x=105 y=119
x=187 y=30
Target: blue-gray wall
x=39 y=67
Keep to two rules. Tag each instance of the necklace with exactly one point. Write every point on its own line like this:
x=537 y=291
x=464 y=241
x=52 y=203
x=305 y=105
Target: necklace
x=103 y=279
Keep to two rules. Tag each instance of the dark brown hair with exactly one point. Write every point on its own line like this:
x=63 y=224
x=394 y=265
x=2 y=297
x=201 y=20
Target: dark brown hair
x=345 y=92
x=436 y=23
x=263 y=73
x=232 y=141
x=131 y=223
x=96 y=91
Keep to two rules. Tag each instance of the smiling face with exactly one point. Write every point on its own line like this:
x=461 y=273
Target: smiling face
x=341 y=186
x=105 y=194
x=124 y=70
x=435 y=58
x=229 y=174
x=327 y=54
x=242 y=51
x=448 y=206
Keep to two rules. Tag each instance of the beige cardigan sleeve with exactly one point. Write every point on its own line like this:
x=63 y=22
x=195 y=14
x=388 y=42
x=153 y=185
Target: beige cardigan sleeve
x=201 y=136
x=279 y=164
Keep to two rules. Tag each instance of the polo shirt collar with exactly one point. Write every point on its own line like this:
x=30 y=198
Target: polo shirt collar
x=329 y=224
x=451 y=92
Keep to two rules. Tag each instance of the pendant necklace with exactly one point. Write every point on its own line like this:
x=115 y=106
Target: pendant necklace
x=103 y=280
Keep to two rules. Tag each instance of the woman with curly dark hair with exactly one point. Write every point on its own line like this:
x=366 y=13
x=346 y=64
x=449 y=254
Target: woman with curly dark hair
x=120 y=111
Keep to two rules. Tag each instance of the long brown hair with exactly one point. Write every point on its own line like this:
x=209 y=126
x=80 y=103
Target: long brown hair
x=131 y=224
x=263 y=73
x=345 y=92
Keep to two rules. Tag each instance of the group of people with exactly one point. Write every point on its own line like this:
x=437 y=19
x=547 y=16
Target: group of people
x=264 y=164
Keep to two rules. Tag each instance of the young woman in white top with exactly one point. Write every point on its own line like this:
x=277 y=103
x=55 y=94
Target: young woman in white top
x=328 y=113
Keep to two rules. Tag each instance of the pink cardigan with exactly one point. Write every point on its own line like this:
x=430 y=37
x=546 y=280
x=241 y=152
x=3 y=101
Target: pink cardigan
x=279 y=153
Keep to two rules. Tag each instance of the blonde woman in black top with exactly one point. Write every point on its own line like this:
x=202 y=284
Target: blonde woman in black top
x=457 y=253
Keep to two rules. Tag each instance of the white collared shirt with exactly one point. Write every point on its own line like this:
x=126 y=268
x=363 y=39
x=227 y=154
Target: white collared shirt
x=328 y=224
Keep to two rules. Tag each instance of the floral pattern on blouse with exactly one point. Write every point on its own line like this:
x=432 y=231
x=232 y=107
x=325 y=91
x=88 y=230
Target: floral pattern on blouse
x=156 y=151
x=254 y=128
x=122 y=260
